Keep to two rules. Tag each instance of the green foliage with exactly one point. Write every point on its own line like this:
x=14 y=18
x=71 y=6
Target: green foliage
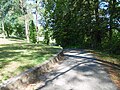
x=115 y=44
x=72 y=23
x=32 y=32
x=18 y=30
x=46 y=38
x=22 y=56
x=8 y=29
x=83 y=24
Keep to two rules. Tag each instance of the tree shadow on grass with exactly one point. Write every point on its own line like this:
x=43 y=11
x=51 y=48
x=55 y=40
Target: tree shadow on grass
x=8 y=54
x=5 y=58
x=24 y=46
x=15 y=50
x=25 y=55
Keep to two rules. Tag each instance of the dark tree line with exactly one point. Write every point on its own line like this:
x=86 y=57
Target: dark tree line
x=72 y=23
x=85 y=23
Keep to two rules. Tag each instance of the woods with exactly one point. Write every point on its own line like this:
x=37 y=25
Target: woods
x=72 y=23
x=85 y=24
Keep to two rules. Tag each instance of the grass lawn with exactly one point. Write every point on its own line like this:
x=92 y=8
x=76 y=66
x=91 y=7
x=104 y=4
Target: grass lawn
x=16 y=58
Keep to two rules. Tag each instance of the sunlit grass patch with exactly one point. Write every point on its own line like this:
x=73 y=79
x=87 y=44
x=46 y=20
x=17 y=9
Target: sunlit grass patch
x=108 y=57
x=16 y=58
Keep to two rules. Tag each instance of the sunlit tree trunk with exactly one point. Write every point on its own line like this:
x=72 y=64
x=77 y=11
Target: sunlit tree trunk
x=24 y=11
x=3 y=29
x=27 y=29
x=36 y=20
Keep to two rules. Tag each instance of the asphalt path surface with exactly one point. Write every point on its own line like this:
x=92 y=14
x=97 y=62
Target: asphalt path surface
x=79 y=71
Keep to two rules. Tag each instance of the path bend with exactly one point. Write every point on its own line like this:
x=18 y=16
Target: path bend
x=79 y=71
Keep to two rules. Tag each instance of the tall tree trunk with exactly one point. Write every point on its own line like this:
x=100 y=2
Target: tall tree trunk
x=46 y=39
x=110 y=23
x=7 y=32
x=3 y=29
x=90 y=19
x=27 y=29
x=36 y=21
x=97 y=14
x=112 y=9
x=24 y=11
x=97 y=31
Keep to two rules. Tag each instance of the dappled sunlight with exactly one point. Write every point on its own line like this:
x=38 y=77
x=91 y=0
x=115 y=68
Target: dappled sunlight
x=77 y=72
x=80 y=53
x=89 y=55
x=16 y=58
x=10 y=41
x=32 y=31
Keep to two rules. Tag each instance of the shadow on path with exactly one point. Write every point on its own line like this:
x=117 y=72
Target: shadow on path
x=92 y=68
x=48 y=81
x=116 y=66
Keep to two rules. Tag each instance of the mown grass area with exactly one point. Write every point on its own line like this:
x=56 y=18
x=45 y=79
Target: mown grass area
x=16 y=58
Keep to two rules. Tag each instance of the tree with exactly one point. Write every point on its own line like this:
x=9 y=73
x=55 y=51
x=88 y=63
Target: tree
x=32 y=32
x=5 y=6
x=72 y=23
x=81 y=23
x=24 y=10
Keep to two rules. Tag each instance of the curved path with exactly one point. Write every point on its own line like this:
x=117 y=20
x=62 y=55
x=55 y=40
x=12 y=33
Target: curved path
x=79 y=71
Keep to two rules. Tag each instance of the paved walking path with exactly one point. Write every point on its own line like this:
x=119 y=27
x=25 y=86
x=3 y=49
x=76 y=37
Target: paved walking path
x=79 y=71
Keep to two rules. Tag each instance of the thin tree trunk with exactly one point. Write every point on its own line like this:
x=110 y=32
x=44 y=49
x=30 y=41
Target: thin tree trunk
x=3 y=29
x=26 y=21
x=112 y=9
x=97 y=33
x=27 y=30
x=110 y=29
x=90 y=18
x=36 y=22
x=47 y=37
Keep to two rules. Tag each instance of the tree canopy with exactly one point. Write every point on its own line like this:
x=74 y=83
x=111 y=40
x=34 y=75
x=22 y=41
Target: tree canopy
x=72 y=23
x=85 y=23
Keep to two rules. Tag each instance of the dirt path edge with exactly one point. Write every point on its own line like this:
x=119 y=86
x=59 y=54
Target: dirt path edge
x=30 y=76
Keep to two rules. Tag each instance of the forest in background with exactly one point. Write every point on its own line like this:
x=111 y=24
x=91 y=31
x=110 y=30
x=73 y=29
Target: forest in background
x=86 y=23
x=72 y=23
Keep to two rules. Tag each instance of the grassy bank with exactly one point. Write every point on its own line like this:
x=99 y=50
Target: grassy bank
x=16 y=58
x=113 y=58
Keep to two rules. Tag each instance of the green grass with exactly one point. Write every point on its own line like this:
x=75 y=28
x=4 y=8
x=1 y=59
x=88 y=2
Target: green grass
x=106 y=56
x=16 y=58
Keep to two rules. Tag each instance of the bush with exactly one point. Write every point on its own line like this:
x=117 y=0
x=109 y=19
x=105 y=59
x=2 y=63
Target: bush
x=32 y=32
